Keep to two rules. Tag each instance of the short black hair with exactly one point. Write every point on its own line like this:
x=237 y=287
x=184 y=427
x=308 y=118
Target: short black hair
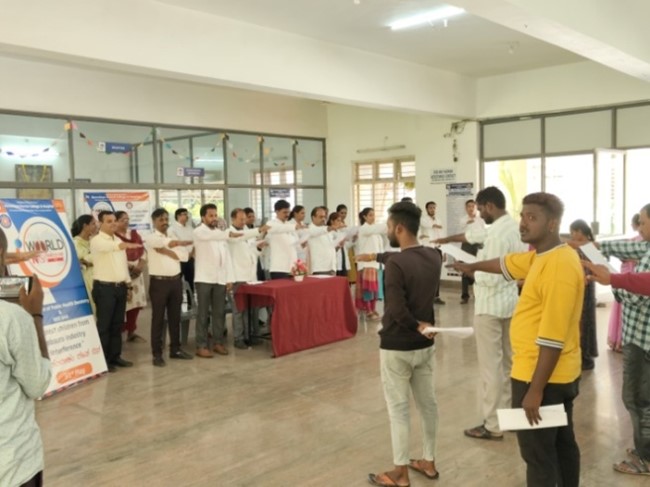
x=406 y=199
x=469 y=202
x=233 y=213
x=493 y=195
x=179 y=212
x=551 y=204
x=248 y=210
x=430 y=203
x=204 y=209
x=636 y=220
x=103 y=213
x=158 y=212
x=281 y=205
x=406 y=214
x=341 y=207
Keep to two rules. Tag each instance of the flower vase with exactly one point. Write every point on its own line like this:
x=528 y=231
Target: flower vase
x=299 y=278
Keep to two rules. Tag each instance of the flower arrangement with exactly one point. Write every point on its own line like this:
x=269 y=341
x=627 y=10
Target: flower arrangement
x=299 y=268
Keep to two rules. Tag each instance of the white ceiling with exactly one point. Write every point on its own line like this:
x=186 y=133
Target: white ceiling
x=469 y=45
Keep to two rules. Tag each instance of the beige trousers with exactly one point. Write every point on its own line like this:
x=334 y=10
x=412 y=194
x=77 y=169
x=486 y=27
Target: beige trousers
x=401 y=374
x=494 y=364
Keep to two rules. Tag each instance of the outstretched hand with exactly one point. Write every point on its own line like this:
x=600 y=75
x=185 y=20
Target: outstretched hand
x=599 y=273
x=462 y=268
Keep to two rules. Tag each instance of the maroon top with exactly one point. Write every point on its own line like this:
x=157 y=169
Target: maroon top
x=634 y=283
x=132 y=254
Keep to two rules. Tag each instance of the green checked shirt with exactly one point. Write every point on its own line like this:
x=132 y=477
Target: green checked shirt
x=636 y=308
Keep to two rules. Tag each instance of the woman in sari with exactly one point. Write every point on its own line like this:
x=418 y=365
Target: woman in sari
x=369 y=279
x=83 y=228
x=615 y=330
x=137 y=261
x=580 y=235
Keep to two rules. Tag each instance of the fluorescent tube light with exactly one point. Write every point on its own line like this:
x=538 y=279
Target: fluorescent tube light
x=431 y=16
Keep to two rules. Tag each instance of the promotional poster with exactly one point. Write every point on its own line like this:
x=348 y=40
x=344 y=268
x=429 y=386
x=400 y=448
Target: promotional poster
x=70 y=330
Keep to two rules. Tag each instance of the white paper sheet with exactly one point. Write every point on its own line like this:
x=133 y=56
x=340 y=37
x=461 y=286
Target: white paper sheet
x=457 y=253
x=253 y=283
x=457 y=331
x=320 y=276
x=593 y=254
x=515 y=419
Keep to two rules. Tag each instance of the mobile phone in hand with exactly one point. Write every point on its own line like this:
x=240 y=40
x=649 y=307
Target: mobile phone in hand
x=10 y=286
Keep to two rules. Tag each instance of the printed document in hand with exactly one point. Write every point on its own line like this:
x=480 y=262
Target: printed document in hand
x=593 y=254
x=515 y=419
x=457 y=253
x=458 y=331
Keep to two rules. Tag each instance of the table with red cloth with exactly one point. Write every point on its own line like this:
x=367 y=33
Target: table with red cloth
x=305 y=314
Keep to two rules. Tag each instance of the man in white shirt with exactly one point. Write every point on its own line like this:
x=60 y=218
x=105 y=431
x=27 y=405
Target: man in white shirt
x=471 y=221
x=166 y=252
x=25 y=373
x=213 y=277
x=244 y=252
x=431 y=229
x=322 y=248
x=111 y=286
x=496 y=299
x=283 y=240
x=184 y=230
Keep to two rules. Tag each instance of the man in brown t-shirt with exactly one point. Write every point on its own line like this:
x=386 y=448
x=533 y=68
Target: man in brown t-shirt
x=406 y=353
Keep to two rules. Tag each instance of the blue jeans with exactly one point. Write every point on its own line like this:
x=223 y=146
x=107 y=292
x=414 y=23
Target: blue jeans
x=552 y=455
x=636 y=395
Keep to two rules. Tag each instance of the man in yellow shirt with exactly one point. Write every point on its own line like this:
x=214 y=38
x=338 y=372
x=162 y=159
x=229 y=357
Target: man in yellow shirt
x=545 y=338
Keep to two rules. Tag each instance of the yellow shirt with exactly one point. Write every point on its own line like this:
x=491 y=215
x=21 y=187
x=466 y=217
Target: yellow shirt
x=548 y=311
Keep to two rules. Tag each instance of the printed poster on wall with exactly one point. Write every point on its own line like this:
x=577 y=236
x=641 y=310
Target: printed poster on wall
x=70 y=330
x=457 y=195
x=136 y=203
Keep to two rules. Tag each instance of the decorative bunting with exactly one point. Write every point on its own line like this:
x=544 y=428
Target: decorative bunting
x=33 y=155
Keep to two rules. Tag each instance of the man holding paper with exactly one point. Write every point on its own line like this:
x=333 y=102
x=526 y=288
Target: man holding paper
x=495 y=302
x=545 y=338
x=406 y=349
x=636 y=347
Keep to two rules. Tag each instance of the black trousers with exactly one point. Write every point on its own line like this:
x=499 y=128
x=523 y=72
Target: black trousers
x=35 y=481
x=552 y=455
x=187 y=270
x=166 y=296
x=467 y=281
x=437 y=295
x=280 y=275
x=110 y=302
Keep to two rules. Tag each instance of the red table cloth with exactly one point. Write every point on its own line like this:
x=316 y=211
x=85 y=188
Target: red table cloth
x=306 y=314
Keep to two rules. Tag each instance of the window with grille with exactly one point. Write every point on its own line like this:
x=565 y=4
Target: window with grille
x=379 y=184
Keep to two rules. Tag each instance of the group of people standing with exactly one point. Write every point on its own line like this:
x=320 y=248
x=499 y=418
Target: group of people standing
x=534 y=328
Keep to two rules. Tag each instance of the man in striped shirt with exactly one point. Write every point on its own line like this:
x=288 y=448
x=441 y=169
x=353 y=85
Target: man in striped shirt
x=495 y=302
x=636 y=348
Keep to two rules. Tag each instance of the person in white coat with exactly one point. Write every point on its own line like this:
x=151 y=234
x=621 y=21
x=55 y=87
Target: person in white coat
x=213 y=278
x=342 y=243
x=321 y=246
x=369 y=281
x=244 y=253
x=432 y=229
x=283 y=240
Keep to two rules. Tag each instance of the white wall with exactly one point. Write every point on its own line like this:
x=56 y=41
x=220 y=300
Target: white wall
x=351 y=128
x=27 y=85
x=564 y=87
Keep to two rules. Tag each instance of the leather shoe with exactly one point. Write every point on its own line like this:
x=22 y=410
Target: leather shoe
x=240 y=344
x=120 y=362
x=204 y=353
x=159 y=362
x=220 y=349
x=181 y=354
x=112 y=368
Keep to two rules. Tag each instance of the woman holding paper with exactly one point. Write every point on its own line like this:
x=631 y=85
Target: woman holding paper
x=369 y=274
x=580 y=235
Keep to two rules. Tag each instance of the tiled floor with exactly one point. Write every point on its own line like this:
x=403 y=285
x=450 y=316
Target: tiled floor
x=315 y=418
